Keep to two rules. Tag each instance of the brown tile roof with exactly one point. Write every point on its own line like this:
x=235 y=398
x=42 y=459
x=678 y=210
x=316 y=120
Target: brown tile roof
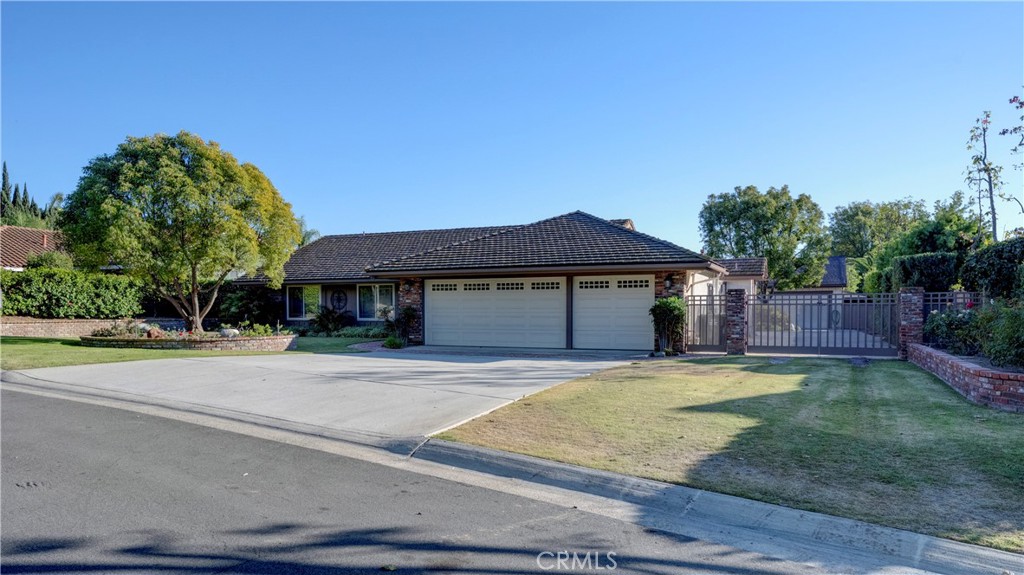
x=345 y=257
x=18 y=243
x=575 y=239
x=835 y=272
x=757 y=267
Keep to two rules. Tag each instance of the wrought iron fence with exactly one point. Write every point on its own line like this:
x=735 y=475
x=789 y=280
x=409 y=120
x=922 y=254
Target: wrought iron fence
x=841 y=324
x=705 y=322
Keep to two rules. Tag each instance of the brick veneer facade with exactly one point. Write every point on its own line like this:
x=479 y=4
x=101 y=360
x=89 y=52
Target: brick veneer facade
x=677 y=288
x=269 y=343
x=911 y=320
x=736 y=322
x=410 y=294
x=985 y=386
x=35 y=327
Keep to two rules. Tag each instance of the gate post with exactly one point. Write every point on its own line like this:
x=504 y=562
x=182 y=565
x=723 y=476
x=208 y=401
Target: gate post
x=736 y=322
x=911 y=311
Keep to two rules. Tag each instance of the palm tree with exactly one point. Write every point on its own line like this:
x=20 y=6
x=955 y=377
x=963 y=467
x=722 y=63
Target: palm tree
x=308 y=235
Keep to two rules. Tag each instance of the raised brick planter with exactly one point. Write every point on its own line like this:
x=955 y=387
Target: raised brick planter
x=985 y=386
x=269 y=343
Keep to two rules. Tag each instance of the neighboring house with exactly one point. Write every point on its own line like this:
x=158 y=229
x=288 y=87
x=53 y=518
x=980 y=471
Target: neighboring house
x=572 y=281
x=17 y=244
x=834 y=280
x=741 y=273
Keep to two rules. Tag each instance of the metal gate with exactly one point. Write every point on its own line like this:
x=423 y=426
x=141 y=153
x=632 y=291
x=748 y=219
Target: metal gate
x=705 y=323
x=823 y=324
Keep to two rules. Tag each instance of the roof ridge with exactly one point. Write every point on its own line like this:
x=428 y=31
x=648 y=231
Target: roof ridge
x=360 y=234
x=28 y=228
x=647 y=236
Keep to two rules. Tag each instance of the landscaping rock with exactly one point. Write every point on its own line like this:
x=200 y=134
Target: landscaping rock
x=229 y=332
x=155 y=333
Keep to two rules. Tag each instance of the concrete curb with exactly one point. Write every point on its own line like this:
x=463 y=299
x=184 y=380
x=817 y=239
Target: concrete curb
x=835 y=543
x=771 y=529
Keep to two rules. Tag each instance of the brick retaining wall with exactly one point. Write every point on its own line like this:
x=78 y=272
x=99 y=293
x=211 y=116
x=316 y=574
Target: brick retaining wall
x=998 y=389
x=269 y=343
x=34 y=327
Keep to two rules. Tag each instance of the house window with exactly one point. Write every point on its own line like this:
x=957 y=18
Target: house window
x=303 y=301
x=373 y=297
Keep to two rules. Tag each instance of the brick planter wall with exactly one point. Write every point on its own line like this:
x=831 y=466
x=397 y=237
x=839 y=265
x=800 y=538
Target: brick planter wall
x=34 y=327
x=269 y=343
x=984 y=386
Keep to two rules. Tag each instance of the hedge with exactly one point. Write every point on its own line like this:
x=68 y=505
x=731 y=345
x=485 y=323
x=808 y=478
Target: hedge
x=993 y=269
x=55 y=293
x=935 y=272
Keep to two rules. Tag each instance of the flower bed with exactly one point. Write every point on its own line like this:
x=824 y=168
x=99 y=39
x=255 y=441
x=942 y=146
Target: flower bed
x=242 y=343
x=988 y=386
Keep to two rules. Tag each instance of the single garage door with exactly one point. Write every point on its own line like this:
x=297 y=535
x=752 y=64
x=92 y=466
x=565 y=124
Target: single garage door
x=506 y=312
x=613 y=312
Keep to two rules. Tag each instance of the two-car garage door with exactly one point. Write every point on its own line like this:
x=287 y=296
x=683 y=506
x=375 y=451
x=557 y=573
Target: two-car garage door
x=608 y=312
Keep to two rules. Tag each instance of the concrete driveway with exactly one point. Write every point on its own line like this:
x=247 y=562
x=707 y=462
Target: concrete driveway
x=384 y=399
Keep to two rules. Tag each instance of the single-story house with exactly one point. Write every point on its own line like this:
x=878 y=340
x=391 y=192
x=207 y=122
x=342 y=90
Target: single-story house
x=741 y=273
x=573 y=281
x=17 y=244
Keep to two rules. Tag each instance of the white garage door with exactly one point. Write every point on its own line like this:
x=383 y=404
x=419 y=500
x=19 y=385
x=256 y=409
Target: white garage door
x=613 y=312
x=509 y=312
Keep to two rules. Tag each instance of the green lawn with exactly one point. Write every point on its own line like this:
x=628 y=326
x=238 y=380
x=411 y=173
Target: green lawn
x=887 y=443
x=29 y=352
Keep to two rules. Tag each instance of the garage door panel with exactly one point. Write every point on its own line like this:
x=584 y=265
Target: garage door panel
x=496 y=312
x=613 y=312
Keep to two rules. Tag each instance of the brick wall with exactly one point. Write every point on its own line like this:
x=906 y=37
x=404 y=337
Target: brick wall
x=911 y=320
x=410 y=294
x=736 y=322
x=34 y=327
x=269 y=343
x=998 y=389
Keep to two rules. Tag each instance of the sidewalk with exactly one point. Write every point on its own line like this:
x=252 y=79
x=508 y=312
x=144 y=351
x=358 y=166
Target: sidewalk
x=837 y=545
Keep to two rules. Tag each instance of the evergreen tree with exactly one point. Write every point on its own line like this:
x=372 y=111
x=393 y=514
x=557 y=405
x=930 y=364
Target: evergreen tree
x=26 y=202
x=16 y=199
x=5 y=193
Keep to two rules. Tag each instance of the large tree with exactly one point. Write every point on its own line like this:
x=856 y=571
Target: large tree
x=859 y=227
x=787 y=231
x=182 y=214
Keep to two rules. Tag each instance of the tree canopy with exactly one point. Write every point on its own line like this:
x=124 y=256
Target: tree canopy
x=787 y=231
x=860 y=227
x=181 y=214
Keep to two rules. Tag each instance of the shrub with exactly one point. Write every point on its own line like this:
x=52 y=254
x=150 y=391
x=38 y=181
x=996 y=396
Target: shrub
x=328 y=320
x=255 y=303
x=956 y=331
x=669 y=316
x=129 y=328
x=772 y=318
x=393 y=342
x=993 y=269
x=54 y=293
x=1002 y=338
x=400 y=323
x=50 y=260
x=248 y=329
x=935 y=272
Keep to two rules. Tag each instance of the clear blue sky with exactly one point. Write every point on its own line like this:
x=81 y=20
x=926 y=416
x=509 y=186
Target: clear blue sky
x=378 y=117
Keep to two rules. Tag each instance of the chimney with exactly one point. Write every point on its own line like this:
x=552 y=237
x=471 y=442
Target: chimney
x=44 y=239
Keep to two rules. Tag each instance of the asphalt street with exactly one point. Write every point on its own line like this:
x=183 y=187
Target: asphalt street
x=93 y=489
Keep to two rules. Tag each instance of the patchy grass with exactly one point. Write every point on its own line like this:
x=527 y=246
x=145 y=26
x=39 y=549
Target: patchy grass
x=887 y=443
x=30 y=352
